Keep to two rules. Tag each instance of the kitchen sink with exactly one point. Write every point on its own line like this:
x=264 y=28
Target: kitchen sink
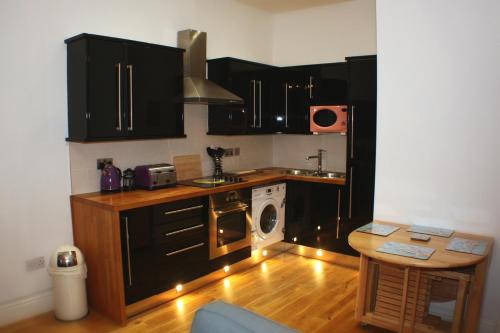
x=312 y=173
x=328 y=174
x=299 y=172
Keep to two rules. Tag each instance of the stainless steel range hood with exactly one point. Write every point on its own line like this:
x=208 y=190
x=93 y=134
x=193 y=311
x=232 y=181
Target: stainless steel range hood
x=197 y=89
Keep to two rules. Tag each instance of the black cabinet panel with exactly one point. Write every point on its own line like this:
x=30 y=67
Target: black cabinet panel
x=159 y=253
x=362 y=120
x=138 y=252
x=105 y=97
x=154 y=91
x=313 y=218
x=250 y=81
x=120 y=89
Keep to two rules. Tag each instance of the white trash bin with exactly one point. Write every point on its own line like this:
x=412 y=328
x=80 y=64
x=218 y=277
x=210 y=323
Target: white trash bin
x=68 y=270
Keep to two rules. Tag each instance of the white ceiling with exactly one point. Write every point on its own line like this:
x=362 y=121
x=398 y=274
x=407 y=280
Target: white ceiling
x=279 y=6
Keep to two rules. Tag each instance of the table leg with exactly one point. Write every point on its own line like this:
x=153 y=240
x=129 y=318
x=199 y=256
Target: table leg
x=475 y=295
x=363 y=281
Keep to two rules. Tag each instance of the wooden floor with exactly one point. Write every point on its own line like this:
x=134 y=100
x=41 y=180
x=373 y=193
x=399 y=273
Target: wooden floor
x=305 y=294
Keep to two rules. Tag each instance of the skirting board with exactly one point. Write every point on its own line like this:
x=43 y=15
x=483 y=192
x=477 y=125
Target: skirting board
x=26 y=307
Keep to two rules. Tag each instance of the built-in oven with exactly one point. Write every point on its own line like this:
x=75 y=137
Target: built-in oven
x=230 y=222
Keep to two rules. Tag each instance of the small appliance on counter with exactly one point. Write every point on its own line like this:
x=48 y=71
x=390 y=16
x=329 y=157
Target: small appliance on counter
x=155 y=176
x=128 y=180
x=328 y=119
x=111 y=177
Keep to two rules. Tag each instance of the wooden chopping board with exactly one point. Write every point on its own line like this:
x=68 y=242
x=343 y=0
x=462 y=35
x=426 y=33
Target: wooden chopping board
x=188 y=166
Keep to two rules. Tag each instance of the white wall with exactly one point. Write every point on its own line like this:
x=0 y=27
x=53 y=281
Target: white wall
x=291 y=151
x=34 y=197
x=255 y=151
x=438 y=155
x=324 y=33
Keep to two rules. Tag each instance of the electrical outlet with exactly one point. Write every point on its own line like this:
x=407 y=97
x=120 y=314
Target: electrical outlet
x=237 y=151
x=101 y=162
x=228 y=152
x=35 y=263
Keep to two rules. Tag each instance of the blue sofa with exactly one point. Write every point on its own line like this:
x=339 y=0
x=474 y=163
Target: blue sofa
x=220 y=317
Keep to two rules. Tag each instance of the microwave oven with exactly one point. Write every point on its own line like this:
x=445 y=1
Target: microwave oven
x=328 y=118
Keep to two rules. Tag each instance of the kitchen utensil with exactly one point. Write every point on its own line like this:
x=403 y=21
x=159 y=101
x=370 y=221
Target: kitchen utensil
x=128 y=180
x=188 y=166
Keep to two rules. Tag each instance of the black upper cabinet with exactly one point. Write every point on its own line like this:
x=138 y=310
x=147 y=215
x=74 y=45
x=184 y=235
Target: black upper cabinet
x=276 y=99
x=362 y=122
x=251 y=82
x=120 y=89
x=329 y=84
x=291 y=100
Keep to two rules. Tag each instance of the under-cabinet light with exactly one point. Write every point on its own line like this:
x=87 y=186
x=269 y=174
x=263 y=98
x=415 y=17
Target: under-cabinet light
x=180 y=304
x=178 y=288
x=226 y=268
x=221 y=231
x=319 y=227
x=264 y=253
x=319 y=253
x=294 y=239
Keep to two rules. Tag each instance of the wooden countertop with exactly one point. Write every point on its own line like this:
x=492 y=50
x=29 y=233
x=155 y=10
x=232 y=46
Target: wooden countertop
x=140 y=198
x=367 y=244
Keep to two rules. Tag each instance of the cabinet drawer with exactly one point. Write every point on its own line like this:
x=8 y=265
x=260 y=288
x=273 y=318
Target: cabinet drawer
x=180 y=210
x=194 y=231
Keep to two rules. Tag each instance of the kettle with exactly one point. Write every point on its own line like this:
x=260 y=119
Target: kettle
x=111 y=177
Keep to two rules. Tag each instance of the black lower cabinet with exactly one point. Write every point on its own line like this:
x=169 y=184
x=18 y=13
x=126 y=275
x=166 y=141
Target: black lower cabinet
x=163 y=245
x=138 y=253
x=166 y=245
x=313 y=217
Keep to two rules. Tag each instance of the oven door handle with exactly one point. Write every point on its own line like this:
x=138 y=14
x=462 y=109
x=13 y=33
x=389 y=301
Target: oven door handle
x=241 y=208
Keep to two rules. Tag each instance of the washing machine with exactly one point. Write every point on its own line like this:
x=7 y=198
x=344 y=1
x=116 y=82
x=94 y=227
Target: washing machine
x=268 y=215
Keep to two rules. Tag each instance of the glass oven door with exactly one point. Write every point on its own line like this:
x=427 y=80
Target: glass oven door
x=229 y=229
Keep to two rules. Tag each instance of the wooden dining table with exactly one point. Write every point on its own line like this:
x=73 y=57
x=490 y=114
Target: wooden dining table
x=441 y=262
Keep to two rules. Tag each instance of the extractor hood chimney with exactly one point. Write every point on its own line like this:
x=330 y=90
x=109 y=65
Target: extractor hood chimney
x=197 y=89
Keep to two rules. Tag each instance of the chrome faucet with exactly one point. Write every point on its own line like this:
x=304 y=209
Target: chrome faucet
x=320 y=160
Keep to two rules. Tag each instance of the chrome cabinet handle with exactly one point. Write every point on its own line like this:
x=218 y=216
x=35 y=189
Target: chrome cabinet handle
x=224 y=212
x=260 y=104
x=184 y=249
x=182 y=210
x=350 y=194
x=254 y=114
x=352 y=131
x=286 y=105
x=131 y=97
x=119 y=68
x=310 y=87
x=184 y=230
x=338 y=213
x=128 y=253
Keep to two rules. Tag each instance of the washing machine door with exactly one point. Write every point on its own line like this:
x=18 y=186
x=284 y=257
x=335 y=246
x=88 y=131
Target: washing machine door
x=268 y=219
